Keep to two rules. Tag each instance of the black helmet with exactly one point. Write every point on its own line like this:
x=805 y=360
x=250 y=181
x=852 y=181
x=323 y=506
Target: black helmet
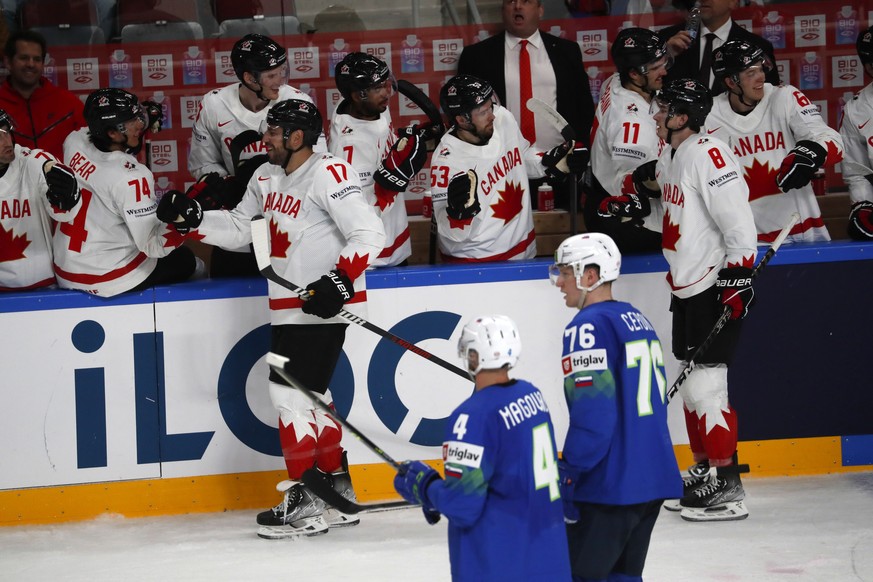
x=6 y=120
x=462 y=94
x=735 y=56
x=864 y=44
x=256 y=53
x=359 y=72
x=107 y=109
x=293 y=114
x=635 y=48
x=689 y=97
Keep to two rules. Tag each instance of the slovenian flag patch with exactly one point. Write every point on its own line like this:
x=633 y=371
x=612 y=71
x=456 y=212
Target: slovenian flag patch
x=584 y=381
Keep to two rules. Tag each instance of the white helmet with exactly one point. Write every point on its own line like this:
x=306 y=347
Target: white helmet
x=495 y=340
x=581 y=250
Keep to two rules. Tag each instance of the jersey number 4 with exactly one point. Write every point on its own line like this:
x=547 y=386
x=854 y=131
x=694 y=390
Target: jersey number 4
x=649 y=358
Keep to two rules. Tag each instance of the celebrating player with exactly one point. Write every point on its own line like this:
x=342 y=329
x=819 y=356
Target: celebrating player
x=624 y=145
x=500 y=491
x=34 y=189
x=361 y=133
x=709 y=243
x=226 y=147
x=857 y=137
x=479 y=177
x=778 y=136
x=323 y=231
x=116 y=243
x=618 y=464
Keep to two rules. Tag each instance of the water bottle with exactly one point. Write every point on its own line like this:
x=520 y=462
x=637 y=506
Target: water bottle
x=692 y=25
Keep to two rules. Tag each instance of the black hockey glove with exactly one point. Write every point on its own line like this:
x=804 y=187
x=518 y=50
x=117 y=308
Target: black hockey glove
x=63 y=190
x=154 y=116
x=861 y=221
x=462 y=202
x=644 y=182
x=245 y=169
x=412 y=481
x=735 y=284
x=209 y=191
x=625 y=206
x=328 y=295
x=800 y=164
x=180 y=211
x=402 y=163
x=578 y=158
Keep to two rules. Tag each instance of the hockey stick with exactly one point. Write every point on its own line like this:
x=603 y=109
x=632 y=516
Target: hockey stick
x=318 y=482
x=725 y=316
x=556 y=120
x=261 y=243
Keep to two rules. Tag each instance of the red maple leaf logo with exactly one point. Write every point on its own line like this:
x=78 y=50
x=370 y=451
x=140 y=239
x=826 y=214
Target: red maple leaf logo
x=173 y=238
x=835 y=154
x=11 y=246
x=459 y=222
x=355 y=266
x=746 y=262
x=670 y=235
x=279 y=243
x=384 y=197
x=761 y=179
x=509 y=204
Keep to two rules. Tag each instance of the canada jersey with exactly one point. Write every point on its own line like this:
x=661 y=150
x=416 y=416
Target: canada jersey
x=618 y=445
x=220 y=118
x=25 y=223
x=503 y=229
x=707 y=222
x=364 y=143
x=761 y=140
x=318 y=222
x=857 y=133
x=500 y=492
x=116 y=238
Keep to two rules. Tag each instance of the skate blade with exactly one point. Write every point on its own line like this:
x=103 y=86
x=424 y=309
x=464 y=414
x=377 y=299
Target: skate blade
x=672 y=505
x=302 y=528
x=731 y=511
x=335 y=518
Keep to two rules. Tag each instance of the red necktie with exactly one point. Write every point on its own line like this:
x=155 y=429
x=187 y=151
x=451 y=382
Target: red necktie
x=528 y=127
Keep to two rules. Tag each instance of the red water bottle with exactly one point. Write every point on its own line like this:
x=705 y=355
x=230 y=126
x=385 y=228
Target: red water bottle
x=819 y=185
x=427 y=205
x=545 y=198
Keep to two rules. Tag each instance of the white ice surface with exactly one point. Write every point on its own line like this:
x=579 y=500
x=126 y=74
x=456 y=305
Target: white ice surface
x=815 y=529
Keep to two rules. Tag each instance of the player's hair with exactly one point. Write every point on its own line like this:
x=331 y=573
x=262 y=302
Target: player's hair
x=463 y=93
x=635 y=49
x=256 y=53
x=689 y=97
x=294 y=114
x=358 y=72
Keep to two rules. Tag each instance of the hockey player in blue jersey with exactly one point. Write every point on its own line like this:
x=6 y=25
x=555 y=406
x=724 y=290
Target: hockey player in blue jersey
x=500 y=492
x=618 y=463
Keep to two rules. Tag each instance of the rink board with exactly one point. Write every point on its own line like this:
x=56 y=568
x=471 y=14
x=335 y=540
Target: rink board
x=155 y=402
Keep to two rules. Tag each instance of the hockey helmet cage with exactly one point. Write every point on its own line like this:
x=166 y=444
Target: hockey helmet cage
x=495 y=340
x=360 y=71
x=464 y=93
x=864 y=45
x=583 y=250
x=688 y=97
x=293 y=114
x=107 y=109
x=256 y=53
x=636 y=48
x=735 y=56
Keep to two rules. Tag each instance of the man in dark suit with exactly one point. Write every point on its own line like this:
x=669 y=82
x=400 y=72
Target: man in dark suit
x=692 y=60
x=558 y=77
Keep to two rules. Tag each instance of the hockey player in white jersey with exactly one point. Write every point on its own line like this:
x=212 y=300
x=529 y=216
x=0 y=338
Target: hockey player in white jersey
x=225 y=145
x=857 y=134
x=116 y=243
x=709 y=242
x=624 y=144
x=361 y=133
x=780 y=139
x=479 y=177
x=34 y=190
x=322 y=232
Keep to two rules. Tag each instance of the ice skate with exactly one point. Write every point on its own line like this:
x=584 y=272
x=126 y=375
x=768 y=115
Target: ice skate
x=300 y=514
x=342 y=484
x=693 y=478
x=720 y=498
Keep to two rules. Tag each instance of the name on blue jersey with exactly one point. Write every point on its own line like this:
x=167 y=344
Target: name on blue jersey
x=636 y=321
x=526 y=407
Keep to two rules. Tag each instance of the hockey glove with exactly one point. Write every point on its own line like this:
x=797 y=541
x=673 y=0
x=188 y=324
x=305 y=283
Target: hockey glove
x=462 y=201
x=154 y=116
x=412 y=481
x=644 y=182
x=63 y=190
x=861 y=221
x=567 y=485
x=402 y=163
x=328 y=295
x=209 y=191
x=180 y=211
x=626 y=206
x=736 y=292
x=245 y=169
x=800 y=164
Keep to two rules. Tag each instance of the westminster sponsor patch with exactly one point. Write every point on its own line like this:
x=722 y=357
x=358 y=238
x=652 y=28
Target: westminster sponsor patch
x=463 y=454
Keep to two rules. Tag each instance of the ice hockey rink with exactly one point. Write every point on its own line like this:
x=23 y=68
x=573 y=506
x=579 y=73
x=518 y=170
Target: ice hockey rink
x=817 y=528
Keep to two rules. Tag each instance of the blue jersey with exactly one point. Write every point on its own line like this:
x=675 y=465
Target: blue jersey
x=500 y=492
x=618 y=443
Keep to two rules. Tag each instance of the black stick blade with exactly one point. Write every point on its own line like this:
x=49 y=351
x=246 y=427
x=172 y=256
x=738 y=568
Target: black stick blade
x=319 y=483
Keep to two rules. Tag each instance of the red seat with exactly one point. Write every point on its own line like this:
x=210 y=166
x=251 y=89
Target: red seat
x=58 y=13
x=243 y=9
